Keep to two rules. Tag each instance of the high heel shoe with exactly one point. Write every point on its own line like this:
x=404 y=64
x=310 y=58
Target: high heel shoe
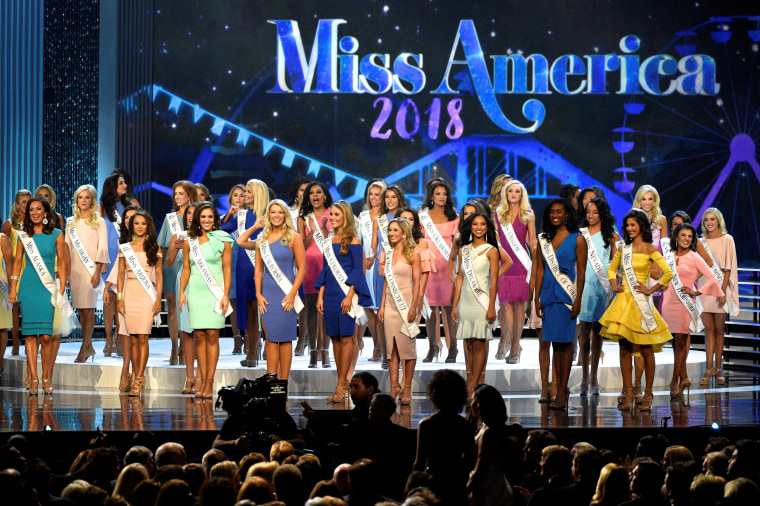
x=237 y=349
x=339 y=396
x=107 y=350
x=584 y=388
x=199 y=391
x=406 y=401
x=706 y=379
x=646 y=403
x=189 y=389
x=126 y=386
x=595 y=390
x=313 y=357
x=514 y=359
x=208 y=393
x=628 y=400
x=377 y=355
x=561 y=402
x=545 y=386
x=684 y=385
x=398 y=389
x=501 y=352
x=719 y=377
x=80 y=360
x=32 y=386
x=325 y=358
x=433 y=352
x=638 y=396
x=137 y=386
x=675 y=392
x=452 y=357
x=47 y=386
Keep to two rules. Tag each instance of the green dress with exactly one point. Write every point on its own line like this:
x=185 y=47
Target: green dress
x=200 y=300
x=37 y=312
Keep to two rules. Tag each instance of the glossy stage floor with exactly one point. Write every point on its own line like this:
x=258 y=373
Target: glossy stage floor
x=85 y=395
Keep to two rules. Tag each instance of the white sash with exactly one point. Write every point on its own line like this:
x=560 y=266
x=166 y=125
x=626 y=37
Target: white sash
x=729 y=307
x=294 y=216
x=117 y=225
x=597 y=264
x=240 y=229
x=47 y=280
x=382 y=226
x=690 y=304
x=644 y=302
x=174 y=225
x=85 y=257
x=366 y=227
x=279 y=277
x=434 y=234
x=551 y=261
x=468 y=253
x=141 y=276
x=409 y=329
x=5 y=291
x=325 y=246
x=211 y=283
x=665 y=245
x=519 y=250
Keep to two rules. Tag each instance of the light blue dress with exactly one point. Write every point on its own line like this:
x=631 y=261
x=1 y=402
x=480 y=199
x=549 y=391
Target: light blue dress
x=594 y=300
x=200 y=300
x=280 y=326
x=164 y=241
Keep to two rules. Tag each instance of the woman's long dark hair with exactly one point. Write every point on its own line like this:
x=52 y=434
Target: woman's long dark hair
x=195 y=229
x=448 y=209
x=607 y=221
x=416 y=228
x=109 y=197
x=294 y=186
x=643 y=220
x=674 y=236
x=306 y=207
x=124 y=235
x=127 y=179
x=581 y=210
x=151 y=238
x=490 y=230
x=550 y=230
x=399 y=193
x=52 y=218
x=677 y=214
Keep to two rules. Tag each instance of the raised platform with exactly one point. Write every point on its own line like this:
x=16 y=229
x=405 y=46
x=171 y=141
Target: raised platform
x=103 y=372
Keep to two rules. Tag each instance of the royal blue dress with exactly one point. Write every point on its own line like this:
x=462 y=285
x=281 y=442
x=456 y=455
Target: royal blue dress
x=113 y=241
x=338 y=324
x=245 y=287
x=279 y=325
x=558 y=326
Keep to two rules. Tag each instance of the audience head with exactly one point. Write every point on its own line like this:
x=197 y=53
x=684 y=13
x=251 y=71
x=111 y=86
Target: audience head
x=555 y=460
x=489 y=406
x=227 y=470
x=211 y=458
x=263 y=469
x=613 y=486
x=217 y=492
x=382 y=408
x=325 y=488
x=706 y=490
x=170 y=472
x=741 y=491
x=745 y=461
x=146 y=493
x=257 y=489
x=676 y=453
x=281 y=450
x=129 y=478
x=194 y=475
x=82 y=493
x=175 y=493
x=678 y=480
x=715 y=464
x=536 y=441
x=447 y=391
x=646 y=477
x=140 y=455
x=363 y=386
x=171 y=454
x=340 y=478
x=311 y=469
x=586 y=465
x=288 y=485
x=652 y=446
x=362 y=476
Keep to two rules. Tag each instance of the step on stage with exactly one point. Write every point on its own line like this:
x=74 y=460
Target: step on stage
x=86 y=396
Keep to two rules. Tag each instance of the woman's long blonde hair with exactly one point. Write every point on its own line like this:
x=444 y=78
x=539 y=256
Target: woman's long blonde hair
x=380 y=184
x=260 y=192
x=525 y=213
x=498 y=184
x=53 y=197
x=348 y=228
x=407 y=242
x=656 y=211
x=721 y=220
x=92 y=219
x=287 y=226
x=15 y=213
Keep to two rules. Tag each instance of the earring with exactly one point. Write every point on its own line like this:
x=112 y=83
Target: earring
x=134 y=236
x=45 y=221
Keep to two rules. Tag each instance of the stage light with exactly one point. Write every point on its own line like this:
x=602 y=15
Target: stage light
x=48 y=428
x=715 y=426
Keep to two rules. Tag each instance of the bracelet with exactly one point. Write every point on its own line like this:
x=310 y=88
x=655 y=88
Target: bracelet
x=119 y=295
x=14 y=277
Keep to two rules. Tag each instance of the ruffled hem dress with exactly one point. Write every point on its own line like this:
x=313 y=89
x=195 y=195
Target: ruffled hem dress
x=673 y=311
x=560 y=326
x=280 y=326
x=138 y=306
x=95 y=242
x=440 y=287
x=336 y=323
x=594 y=300
x=200 y=300
x=472 y=315
x=723 y=250
x=513 y=286
x=622 y=320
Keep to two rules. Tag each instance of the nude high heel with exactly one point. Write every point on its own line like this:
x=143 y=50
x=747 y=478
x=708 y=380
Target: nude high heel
x=628 y=400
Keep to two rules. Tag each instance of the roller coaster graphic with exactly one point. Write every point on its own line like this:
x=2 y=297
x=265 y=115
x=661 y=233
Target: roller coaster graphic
x=470 y=163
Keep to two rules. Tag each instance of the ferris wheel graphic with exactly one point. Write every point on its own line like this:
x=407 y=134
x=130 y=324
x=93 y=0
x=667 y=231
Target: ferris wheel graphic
x=701 y=151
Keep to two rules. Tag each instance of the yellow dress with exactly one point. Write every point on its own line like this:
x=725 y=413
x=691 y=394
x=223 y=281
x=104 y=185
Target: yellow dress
x=622 y=320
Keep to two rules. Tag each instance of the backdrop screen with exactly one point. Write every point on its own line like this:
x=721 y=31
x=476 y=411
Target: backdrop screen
x=613 y=94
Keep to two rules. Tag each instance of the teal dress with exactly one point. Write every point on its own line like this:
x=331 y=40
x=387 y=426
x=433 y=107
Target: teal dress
x=37 y=312
x=164 y=241
x=200 y=300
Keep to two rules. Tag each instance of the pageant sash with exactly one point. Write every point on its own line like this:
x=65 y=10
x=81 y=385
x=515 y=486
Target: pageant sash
x=665 y=245
x=409 y=329
x=597 y=264
x=142 y=277
x=382 y=226
x=688 y=302
x=643 y=302
x=468 y=253
x=518 y=248
x=729 y=307
x=208 y=278
x=279 y=277
x=85 y=257
x=325 y=246
x=38 y=263
x=434 y=234
x=174 y=224
x=240 y=229
x=551 y=261
x=365 y=226
x=294 y=213
x=5 y=291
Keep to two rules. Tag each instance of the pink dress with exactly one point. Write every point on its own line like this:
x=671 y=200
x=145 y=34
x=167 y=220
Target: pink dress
x=95 y=241
x=512 y=285
x=723 y=250
x=313 y=259
x=138 y=306
x=440 y=287
x=675 y=314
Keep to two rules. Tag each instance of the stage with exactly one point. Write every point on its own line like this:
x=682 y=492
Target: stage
x=85 y=395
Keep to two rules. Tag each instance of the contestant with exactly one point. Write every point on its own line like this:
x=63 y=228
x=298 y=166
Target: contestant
x=516 y=225
x=236 y=200
x=183 y=193
x=37 y=292
x=631 y=319
x=297 y=187
x=561 y=274
x=601 y=240
x=46 y=192
x=14 y=223
x=6 y=308
x=499 y=182
x=571 y=192
x=474 y=305
x=399 y=306
x=113 y=201
x=439 y=221
x=87 y=238
x=138 y=298
x=206 y=275
x=426 y=258
x=373 y=208
x=202 y=194
x=279 y=252
x=187 y=343
x=130 y=187
x=679 y=305
x=315 y=215
x=587 y=195
x=342 y=288
x=720 y=246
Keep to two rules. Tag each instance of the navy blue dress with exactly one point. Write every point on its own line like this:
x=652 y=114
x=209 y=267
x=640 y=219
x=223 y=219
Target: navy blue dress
x=245 y=286
x=338 y=324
